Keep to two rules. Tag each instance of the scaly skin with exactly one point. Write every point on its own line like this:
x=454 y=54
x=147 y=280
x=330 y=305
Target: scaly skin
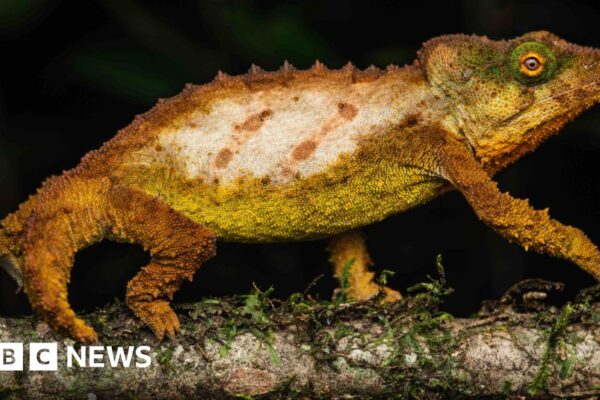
x=301 y=155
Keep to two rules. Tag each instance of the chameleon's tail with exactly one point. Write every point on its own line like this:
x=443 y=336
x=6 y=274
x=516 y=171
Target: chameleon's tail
x=68 y=216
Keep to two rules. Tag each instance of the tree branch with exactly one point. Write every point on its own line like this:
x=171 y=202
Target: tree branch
x=254 y=347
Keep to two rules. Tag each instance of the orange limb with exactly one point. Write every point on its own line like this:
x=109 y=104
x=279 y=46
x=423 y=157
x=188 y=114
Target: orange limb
x=67 y=216
x=352 y=246
x=177 y=245
x=514 y=218
x=71 y=213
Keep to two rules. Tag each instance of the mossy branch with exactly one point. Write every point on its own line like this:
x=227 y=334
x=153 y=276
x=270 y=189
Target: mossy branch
x=256 y=347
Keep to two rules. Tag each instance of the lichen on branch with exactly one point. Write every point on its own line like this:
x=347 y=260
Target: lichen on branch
x=256 y=347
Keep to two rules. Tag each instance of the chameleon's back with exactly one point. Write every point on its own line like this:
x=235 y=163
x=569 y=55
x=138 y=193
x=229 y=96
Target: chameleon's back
x=259 y=156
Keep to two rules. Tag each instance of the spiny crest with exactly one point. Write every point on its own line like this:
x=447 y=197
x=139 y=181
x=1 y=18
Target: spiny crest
x=370 y=74
x=287 y=67
x=287 y=71
x=319 y=68
x=349 y=68
x=222 y=78
x=255 y=70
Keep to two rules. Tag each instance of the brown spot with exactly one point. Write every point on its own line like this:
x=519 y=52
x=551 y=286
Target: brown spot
x=158 y=147
x=223 y=158
x=255 y=121
x=266 y=114
x=410 y=120
x=493 y=95
x=304 y=150
x=347 y=110
x=295 y=98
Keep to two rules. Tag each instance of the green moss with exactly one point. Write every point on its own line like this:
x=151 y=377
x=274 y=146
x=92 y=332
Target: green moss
x=554 y=337
x=566 y=365
x=415 y=327
x=267 y=339
x=255 y=303
x=340 y=295
x=164 y=355
x=228 y=332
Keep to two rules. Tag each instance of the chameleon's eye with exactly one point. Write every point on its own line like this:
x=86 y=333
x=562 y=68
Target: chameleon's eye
x=532 y=63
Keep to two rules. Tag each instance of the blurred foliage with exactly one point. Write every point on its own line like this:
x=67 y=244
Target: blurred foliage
x=21 y=14
x=132 y=74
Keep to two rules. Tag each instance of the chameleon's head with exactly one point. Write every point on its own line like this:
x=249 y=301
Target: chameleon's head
x=508 y=96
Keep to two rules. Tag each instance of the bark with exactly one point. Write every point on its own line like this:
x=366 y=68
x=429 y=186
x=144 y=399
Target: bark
x=254 y=347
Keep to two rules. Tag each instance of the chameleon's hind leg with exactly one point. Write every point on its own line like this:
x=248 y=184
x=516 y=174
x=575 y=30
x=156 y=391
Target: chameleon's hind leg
x=351 y=246
x=177 y=245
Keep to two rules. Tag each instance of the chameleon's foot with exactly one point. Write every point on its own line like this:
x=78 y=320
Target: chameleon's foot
x=62 y=319
x=82 y=332
x=366 y=292
x=349 y=251
x=391 y=295
x=158 y=315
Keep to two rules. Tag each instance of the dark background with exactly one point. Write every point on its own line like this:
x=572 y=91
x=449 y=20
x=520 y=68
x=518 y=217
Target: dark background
x=74 y=72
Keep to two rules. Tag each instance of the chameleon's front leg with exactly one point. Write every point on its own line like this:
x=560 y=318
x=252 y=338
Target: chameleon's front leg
x=178 y=246
x=513 y=218
x=349 y=246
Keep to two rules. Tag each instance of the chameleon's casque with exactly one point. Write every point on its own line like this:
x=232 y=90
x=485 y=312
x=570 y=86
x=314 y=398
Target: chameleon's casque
x=300 y=155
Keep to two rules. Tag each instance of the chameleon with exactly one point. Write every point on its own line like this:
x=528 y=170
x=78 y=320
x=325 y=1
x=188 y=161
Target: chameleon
x=294 y=155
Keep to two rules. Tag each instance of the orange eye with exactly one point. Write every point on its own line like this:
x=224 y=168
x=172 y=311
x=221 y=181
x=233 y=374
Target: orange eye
x=531 y=64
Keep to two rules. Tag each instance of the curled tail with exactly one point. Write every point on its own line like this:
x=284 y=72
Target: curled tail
x=67 y=217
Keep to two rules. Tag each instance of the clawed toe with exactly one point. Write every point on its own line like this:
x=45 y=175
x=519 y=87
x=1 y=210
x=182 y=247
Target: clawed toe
x=82 y=332
x=159 y=317
x=391 y=295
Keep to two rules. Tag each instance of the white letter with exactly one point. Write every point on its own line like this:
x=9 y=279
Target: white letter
x=43 y=356
x=11 y=356
x=96 y=356
x=114 y=361
x=139 y=353
x=79 y=357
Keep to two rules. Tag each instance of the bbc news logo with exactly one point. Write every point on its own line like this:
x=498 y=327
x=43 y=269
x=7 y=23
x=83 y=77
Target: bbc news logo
x=45 y=357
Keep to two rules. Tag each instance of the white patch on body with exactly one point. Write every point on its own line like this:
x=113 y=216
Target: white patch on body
x=255 y=134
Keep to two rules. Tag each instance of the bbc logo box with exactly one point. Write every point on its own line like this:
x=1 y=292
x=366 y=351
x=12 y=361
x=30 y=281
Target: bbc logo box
x=11 y=356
